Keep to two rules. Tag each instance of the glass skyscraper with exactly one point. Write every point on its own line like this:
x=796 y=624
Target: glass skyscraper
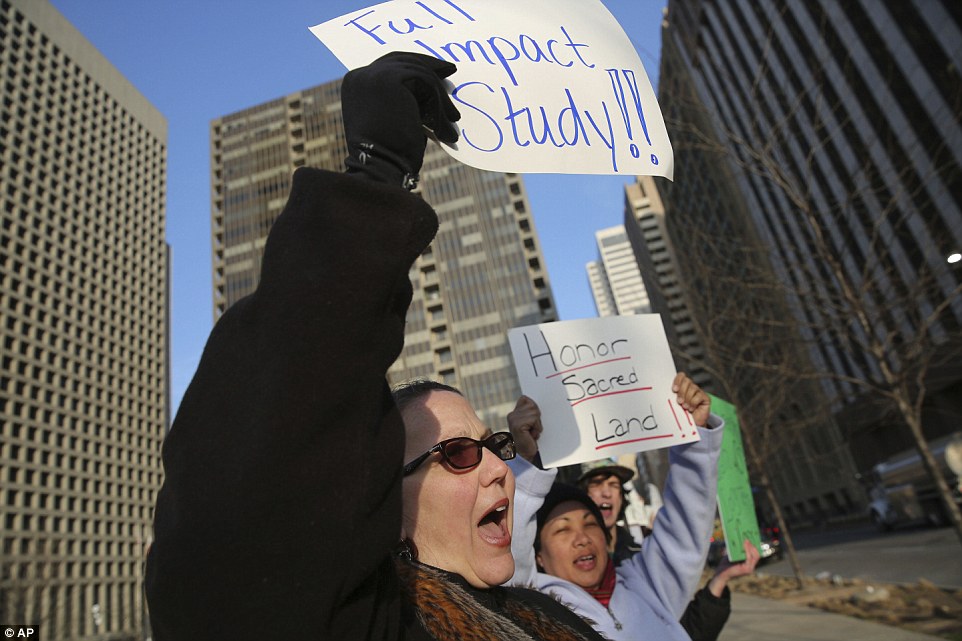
x=829 y=134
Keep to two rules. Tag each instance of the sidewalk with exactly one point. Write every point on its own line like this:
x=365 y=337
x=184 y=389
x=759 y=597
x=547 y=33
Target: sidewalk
x=757 y=619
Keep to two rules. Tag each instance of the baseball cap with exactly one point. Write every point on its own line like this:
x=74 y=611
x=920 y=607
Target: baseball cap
x=605 y=467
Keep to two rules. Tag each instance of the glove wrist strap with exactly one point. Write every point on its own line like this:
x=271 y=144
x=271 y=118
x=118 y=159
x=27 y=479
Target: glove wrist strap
x=382 y=165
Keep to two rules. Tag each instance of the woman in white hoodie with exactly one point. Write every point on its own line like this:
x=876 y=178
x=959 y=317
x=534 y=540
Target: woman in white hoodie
x=560 y=544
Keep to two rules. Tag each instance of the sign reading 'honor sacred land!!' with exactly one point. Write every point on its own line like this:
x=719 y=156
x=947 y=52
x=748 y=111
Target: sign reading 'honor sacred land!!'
x=603 y=386
x=543 y=86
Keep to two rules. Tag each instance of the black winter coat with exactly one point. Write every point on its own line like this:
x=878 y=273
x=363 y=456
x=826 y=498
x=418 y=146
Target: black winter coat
x=281 y=501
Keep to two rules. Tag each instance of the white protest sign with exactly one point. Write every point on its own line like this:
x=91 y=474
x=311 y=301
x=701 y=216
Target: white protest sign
x=543 y=86
x=603 y=386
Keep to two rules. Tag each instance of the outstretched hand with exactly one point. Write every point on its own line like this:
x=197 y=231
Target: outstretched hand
x=524 y=421
x=728 y=570
x=692 y=398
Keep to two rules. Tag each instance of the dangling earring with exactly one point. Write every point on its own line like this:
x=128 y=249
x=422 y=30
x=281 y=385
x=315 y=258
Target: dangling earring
x=406 y=550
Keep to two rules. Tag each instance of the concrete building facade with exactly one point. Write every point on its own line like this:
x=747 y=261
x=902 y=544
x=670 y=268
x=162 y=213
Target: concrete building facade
x=616 y=283
x=657 y=259
x=483 y=274
x=642 y=258
x=601 y=292
x=84 y=400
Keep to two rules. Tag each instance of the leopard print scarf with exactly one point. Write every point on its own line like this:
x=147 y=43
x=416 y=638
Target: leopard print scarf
x=448 y=611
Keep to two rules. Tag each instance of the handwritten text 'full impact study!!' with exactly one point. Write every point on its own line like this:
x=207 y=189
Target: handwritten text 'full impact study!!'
x=573 y=125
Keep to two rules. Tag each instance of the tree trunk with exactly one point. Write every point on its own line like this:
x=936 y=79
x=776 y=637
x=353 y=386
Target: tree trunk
x=759 y=465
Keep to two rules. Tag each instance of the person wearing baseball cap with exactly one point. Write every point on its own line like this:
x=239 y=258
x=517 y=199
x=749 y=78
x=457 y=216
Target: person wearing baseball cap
x=604 y=481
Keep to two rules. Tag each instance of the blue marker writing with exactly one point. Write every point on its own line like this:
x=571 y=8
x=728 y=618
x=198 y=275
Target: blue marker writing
x=503 y=51
x=618 y=89
x=407 y=25
x=469 y=137
x=532 y=125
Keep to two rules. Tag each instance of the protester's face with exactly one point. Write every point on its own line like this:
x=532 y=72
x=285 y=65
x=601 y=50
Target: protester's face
x=605 y=491
x=460 y=520
x=573 y=545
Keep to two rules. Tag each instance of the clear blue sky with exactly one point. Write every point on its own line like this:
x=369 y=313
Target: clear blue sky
x=197 y=60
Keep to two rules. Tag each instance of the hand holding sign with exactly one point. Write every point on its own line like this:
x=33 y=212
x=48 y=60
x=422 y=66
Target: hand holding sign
x=542 y=85
x=691 y=398
x=386 y=105
x=605 y=386
x=524 y=422
x=729 y=569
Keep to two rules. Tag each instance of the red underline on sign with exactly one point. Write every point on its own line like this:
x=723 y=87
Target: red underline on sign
x=626 y=391
x=634 y=440
x=574 y=369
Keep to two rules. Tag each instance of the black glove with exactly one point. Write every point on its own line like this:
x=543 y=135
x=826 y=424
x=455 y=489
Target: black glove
x=384 y=106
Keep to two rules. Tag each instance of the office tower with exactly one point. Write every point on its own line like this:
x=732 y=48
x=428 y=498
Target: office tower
x=482 y=275
x=657 y=259
x=818 y=148
x=642 y=257
x=616 y=283
x=84 y=313
x=600 y=289
x=618 y=289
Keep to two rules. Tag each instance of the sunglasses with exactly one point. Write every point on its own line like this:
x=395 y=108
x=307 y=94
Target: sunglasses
x=463 y=453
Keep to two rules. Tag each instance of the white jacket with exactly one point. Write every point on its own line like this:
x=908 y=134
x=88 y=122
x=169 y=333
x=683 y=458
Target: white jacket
x=653 y=589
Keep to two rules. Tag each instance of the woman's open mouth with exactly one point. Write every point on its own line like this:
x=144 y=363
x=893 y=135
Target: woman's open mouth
x=493 y=526
x=586 y=562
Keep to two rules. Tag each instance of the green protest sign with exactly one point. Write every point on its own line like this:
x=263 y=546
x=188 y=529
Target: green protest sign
x=735 y=503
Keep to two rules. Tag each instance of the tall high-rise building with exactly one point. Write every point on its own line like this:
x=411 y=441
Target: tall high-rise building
x=618 y=290
x=482 y=275
x=636 y=274
x=657 y=259
x=600 y=289
x=84 y=325
x=616 y=283
x=819 y=157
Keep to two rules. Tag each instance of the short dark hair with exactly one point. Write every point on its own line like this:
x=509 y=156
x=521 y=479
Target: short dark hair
x=604 y=474
x=406 y=393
